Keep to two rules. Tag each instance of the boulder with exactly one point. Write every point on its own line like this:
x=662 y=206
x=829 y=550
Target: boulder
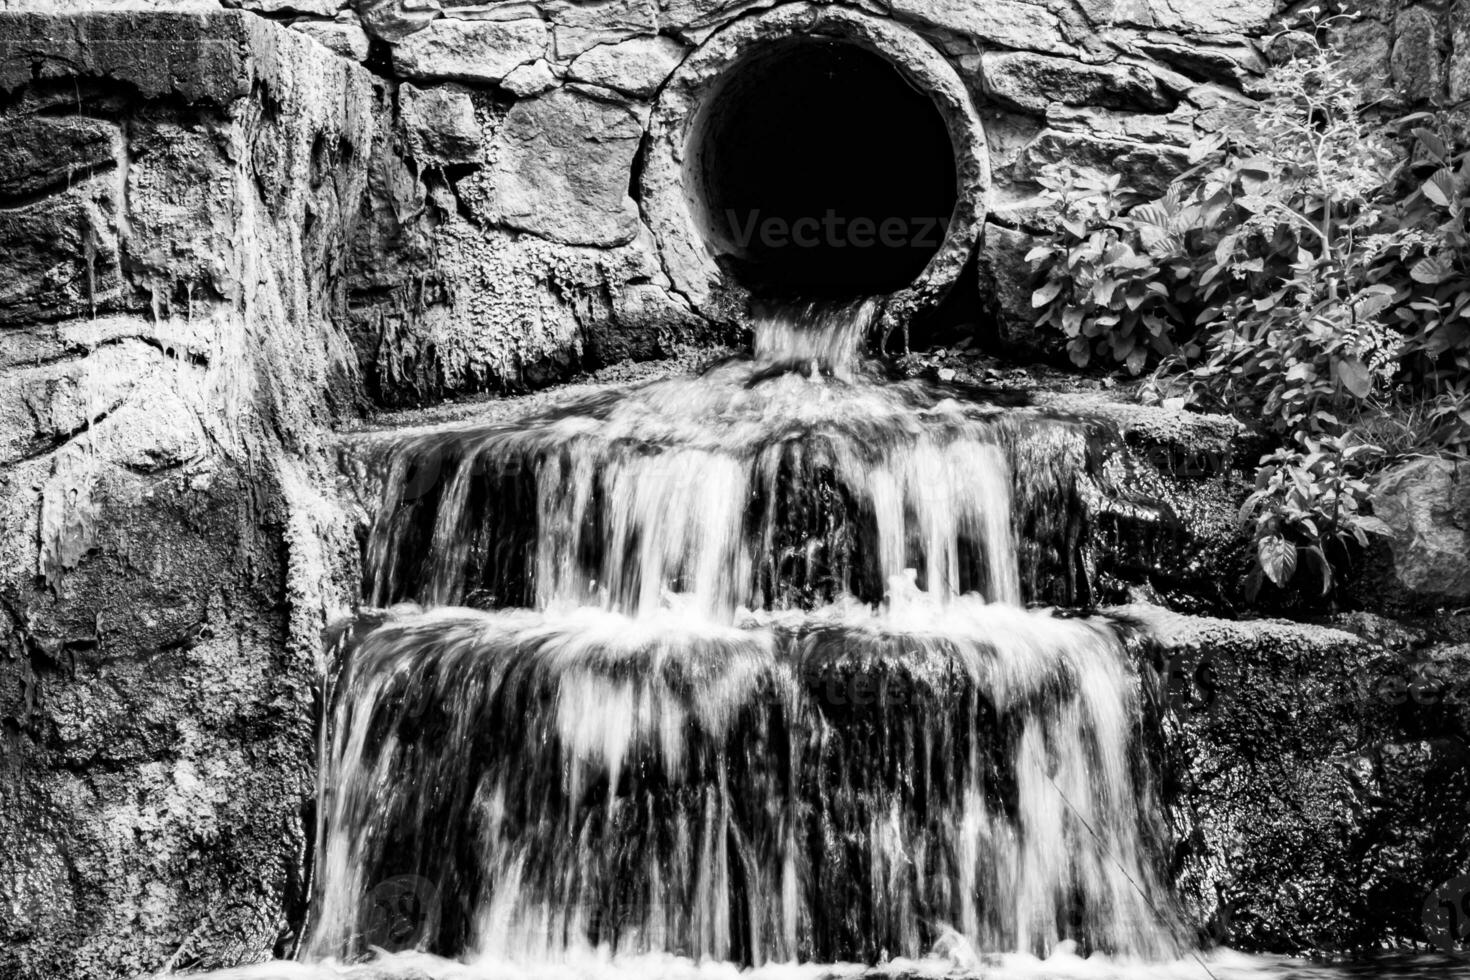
x=346 y=38
x=561 y=168
x=166 y=560
x=636 y=67
x=1416 y=60
x=1033 y=81
x=1424 y=505
x=470 y=50
x=1315 y=780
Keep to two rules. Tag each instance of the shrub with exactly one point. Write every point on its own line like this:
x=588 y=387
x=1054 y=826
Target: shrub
x=1310 y=271
x=1307 y=501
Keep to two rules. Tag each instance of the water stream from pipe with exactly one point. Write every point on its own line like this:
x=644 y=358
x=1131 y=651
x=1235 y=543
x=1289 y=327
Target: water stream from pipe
x=733 y=668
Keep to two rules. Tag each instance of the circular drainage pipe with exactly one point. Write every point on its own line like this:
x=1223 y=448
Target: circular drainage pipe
x=814 y=151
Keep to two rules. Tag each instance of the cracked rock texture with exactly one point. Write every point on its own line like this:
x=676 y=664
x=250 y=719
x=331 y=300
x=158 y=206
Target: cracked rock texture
x=1314 y=776
x=180 y=189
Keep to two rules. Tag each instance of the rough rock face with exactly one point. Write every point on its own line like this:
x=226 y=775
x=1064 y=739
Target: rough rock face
x=1315 y=778
x=1425 y=508
x=180 y=189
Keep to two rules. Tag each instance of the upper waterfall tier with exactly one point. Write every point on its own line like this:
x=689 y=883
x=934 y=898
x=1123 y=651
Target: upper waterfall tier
x=783 y=481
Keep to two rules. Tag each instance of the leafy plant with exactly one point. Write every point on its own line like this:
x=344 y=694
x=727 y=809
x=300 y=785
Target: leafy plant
x=1111 y=279
x=1311 y=273
x=1308 y=499
x=1296 y=329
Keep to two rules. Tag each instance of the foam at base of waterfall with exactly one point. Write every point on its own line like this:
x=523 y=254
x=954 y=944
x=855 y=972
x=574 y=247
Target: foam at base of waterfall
x=1218 y=964
x=951 y=761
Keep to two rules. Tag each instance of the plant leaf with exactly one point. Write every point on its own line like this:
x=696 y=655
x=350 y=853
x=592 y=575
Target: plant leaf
x=1046 y=293
x=1277 y=558
x=1440 y=187
x=1354 y=376
x=1432 y=269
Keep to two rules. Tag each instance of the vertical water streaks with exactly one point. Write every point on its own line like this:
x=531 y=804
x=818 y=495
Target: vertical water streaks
x=825 y=785
x=770 y=483
x=748 y=679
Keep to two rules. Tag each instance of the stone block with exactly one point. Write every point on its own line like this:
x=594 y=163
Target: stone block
x=1145 y=167
x=1197 y=17
x=1032 y=81
x=211 y=57
x=346 y=38
x=440 y=124
x=529 y=80
x=60 y=254
x=50 y=153
x=470 y=50
x=636 y=67
x=314 y=8
x=561 y=168
x=1005 y=23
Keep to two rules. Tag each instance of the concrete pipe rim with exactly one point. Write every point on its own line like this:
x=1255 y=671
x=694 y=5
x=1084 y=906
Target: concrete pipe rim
x=672 y=198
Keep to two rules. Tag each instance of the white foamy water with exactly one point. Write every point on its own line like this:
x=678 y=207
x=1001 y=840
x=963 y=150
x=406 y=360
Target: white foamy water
x=749 y=694
x=776 y=481
x=665 y=782
x=956 y=962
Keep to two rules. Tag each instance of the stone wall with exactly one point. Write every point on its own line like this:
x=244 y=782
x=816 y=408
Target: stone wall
x=177 y=192
x=509 y=237
x=222 y=230
x=518 y=128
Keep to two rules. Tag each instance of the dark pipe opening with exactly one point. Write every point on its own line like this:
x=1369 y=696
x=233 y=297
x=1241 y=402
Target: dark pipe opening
x=818 y=169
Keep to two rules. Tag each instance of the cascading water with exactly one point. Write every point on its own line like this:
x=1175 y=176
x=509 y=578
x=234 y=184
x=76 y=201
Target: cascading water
x=735 y=667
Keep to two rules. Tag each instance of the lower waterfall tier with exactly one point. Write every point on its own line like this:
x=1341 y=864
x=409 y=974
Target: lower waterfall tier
x=834 y=785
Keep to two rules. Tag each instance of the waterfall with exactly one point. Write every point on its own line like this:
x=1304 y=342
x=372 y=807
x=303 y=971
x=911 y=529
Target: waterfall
x=737 y=667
